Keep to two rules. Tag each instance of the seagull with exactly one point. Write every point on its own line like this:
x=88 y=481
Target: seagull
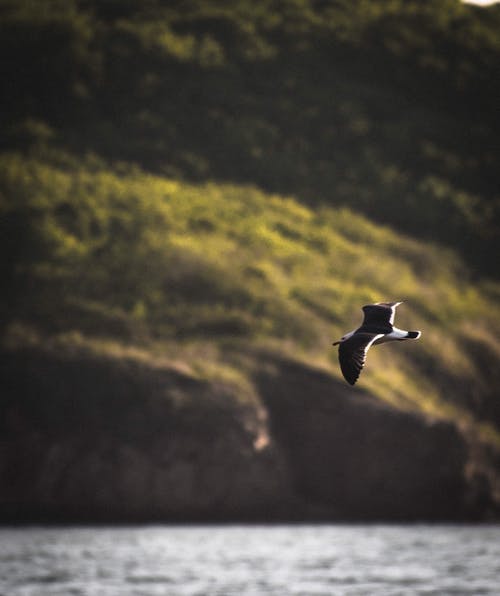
x=377 y=328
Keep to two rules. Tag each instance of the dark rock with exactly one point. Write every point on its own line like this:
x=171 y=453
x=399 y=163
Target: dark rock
x=85 y=438
x=88 y=438
x=361 y=459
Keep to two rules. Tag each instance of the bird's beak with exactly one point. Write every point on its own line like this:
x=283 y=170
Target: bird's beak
x=335 y=343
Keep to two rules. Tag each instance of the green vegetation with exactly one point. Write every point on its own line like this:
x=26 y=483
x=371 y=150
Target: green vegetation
x=201 y=180
x=108 y=258
x=387 y=107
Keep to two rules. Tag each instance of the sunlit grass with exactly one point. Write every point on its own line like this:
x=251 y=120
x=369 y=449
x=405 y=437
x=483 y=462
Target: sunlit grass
x=130 y=264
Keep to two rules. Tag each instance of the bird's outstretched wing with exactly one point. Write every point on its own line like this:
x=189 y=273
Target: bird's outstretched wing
x=380 y=314
x=352 y=354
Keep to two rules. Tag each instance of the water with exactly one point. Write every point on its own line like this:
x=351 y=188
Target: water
x=250 y=560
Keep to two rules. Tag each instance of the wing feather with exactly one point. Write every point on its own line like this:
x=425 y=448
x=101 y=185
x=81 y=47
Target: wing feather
x=352 y=354
x=380 y=314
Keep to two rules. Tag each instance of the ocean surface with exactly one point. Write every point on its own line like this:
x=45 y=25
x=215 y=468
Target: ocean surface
x=368 y=560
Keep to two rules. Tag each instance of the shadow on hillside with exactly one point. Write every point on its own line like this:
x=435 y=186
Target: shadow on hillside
x=92 y=439
x=369 y=459
x=328 y=122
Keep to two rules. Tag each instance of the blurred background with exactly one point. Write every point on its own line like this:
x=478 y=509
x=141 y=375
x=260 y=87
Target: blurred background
x=197 y=198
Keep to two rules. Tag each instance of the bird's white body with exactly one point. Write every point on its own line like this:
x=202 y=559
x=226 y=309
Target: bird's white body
x=395 y=334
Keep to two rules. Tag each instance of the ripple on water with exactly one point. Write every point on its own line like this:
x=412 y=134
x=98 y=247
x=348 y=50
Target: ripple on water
x=240 y=561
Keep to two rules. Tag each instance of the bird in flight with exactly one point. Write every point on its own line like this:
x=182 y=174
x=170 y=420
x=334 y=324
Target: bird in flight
x=377 y=328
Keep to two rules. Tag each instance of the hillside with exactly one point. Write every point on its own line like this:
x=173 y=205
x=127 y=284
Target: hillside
x=228 y=292
x=389 y=108
x=196 y=199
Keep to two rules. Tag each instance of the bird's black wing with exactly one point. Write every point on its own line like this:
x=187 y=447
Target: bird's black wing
x=380 y=316
x=352 y=354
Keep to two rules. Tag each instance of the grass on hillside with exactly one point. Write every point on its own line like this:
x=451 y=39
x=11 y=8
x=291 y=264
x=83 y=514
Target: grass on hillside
x=115 y=256
x=386 y=108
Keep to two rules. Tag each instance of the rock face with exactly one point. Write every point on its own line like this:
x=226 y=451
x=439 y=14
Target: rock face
x=92 y=439
x=361 y=459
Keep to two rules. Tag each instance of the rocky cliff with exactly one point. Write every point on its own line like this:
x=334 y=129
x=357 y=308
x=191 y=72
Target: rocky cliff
x=86 y=438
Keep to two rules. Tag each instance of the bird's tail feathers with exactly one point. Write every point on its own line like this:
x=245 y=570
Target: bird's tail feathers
x=413 y=334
